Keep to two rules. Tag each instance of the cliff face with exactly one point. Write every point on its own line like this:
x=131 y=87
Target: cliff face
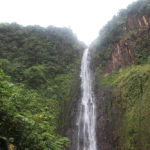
x=138 y=22
x=122 y=55
x=121 y=61
x=123 y=52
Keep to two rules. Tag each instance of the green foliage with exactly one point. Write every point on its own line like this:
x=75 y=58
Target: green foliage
x=40 y=66
x=131 y=98
x=141 y=51
x=27 y=117
x=34 y=76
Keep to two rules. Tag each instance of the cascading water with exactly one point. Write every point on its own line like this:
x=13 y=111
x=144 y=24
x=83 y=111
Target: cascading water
x=87 y=110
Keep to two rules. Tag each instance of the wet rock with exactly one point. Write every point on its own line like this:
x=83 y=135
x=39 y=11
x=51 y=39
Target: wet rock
x=104 y=121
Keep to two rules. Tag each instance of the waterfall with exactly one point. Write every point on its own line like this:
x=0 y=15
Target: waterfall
x=86 y=138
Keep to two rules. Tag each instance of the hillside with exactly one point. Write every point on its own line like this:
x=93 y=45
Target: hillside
x=38 y=80
x=121 y=62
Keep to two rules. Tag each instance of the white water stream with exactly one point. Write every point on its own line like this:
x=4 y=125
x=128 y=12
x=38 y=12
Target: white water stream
x=87 y=110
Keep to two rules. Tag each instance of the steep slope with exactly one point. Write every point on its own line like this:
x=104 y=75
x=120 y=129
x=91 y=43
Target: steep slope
x=121 y=63
x=38 y=85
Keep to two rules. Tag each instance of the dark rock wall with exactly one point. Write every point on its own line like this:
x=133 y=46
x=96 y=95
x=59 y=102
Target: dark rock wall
x=104 y=121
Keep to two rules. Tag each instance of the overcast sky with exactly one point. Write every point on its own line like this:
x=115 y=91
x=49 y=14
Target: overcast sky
x=84 y=17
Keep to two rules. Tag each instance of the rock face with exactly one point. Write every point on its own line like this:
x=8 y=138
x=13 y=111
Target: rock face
x=104 y=122
x=123 y=53
x=137 y=22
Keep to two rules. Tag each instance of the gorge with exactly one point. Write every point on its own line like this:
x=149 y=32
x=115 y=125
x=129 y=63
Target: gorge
x=55 y=93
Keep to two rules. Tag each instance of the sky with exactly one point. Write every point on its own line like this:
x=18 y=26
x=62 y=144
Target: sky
x=84 y=17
